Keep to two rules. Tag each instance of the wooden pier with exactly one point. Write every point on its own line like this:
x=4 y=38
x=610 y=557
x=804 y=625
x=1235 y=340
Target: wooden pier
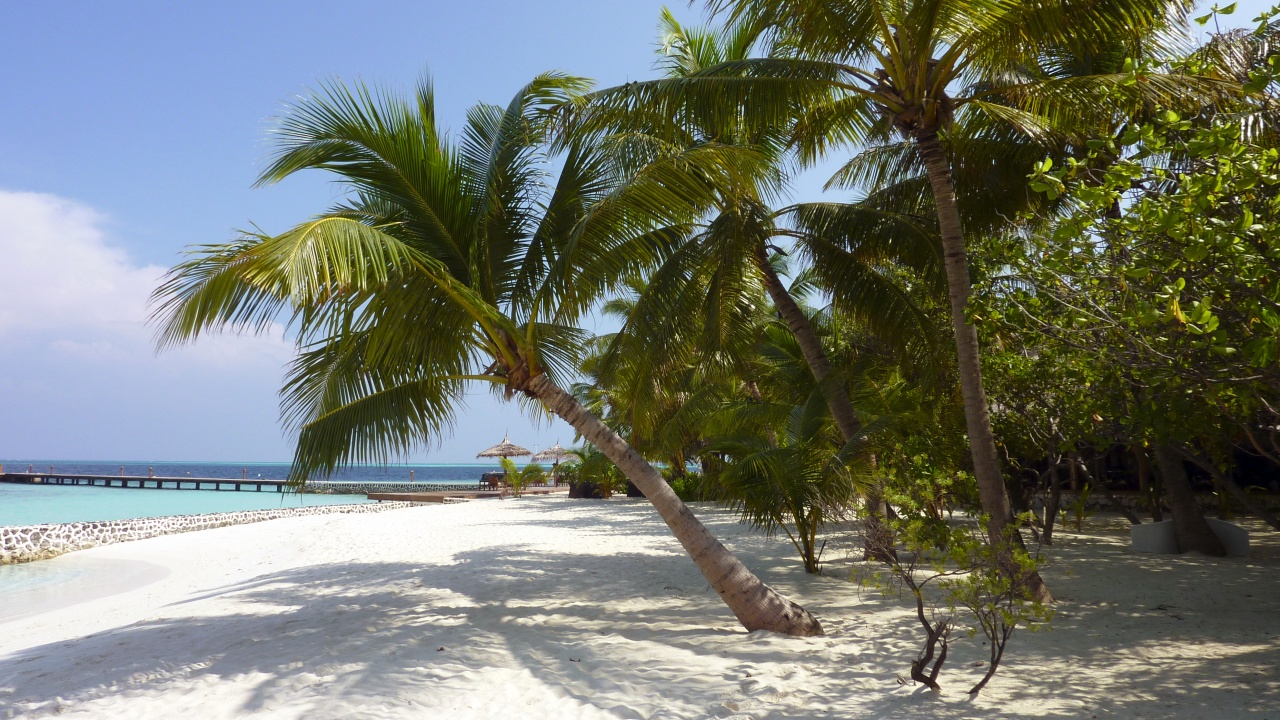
x=148 y=483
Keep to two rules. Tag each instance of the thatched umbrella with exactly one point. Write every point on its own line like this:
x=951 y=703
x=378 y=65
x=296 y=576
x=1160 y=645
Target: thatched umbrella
x=555 y=454
x=504 y=449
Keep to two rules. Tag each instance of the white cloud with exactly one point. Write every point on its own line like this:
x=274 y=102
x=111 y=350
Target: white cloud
x=59 y=270
x=64 y=285
x=79 y=376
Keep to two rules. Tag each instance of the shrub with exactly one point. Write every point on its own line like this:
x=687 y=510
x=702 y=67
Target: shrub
x=948 y=568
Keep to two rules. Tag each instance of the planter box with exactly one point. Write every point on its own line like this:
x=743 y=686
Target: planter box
x=1158 y=537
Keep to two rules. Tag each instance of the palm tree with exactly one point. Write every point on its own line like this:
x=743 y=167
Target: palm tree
x=853 y=70
x=709 y=280
x=450 y=263
x=520 y=478
x=735 y=248
x=593 y=467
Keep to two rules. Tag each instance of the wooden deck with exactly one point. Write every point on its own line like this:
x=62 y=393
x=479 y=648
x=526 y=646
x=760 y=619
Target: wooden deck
x=447 y=495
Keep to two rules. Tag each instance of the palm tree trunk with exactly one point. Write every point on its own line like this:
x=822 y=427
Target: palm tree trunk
x=756 y=605
x=811 y=347
x=982 y=442
x=878 y=543
x=1189 y=526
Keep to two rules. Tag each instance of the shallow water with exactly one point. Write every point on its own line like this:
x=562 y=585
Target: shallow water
x=37 y=587
x=36 y=504
x=47 y=585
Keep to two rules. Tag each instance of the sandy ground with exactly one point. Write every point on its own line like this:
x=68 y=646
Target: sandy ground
x=551 y=608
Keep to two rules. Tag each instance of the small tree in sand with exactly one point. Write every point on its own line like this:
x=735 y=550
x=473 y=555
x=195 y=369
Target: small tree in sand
x=533 y=474
x=943 y=562
x=947 y=568
x=795 y=480
x=520 y=478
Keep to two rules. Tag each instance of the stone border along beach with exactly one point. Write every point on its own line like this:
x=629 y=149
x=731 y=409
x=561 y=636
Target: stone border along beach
x=25 y=543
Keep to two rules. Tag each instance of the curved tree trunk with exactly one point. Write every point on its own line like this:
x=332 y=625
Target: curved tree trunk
x=756 y=605
x=982 y=442
x=811 y=347
x=878 y=543
x=1189 y=527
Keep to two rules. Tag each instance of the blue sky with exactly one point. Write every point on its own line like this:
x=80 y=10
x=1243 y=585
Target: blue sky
x=130 y=130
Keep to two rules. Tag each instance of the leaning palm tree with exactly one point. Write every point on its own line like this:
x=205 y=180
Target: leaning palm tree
x=856 y=69
x=451 y=263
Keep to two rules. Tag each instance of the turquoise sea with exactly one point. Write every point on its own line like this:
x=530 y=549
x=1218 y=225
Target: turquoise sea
x=35 y=504
x=45 y=586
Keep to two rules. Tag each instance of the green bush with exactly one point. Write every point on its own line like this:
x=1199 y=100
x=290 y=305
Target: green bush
x=689 y=487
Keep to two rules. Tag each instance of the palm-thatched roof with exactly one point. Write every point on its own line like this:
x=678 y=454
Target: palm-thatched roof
x=504 y=449
x=554 y=454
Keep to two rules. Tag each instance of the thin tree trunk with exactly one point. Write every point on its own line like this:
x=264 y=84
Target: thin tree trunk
x=756 y=605
x=1101 y=484
x=1189 y=526
x=811 y=347
x=878 y=543
x=1055 y=501
x=1144 y=484
x=982 y=442
x=1226 y=485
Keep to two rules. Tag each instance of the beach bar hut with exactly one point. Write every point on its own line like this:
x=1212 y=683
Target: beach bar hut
x=504 y=449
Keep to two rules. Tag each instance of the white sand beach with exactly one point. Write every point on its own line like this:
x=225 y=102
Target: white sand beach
x=552 y=608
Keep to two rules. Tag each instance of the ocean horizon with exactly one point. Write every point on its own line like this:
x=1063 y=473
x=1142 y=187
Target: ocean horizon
x=66 y=465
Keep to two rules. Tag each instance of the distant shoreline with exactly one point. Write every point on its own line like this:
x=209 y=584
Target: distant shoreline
x=226 y=463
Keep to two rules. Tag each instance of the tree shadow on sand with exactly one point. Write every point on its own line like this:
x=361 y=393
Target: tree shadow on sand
x=640 y=635
x=367 y=632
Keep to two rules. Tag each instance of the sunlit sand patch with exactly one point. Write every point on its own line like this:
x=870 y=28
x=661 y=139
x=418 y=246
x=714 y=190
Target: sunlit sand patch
x=553 y=608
